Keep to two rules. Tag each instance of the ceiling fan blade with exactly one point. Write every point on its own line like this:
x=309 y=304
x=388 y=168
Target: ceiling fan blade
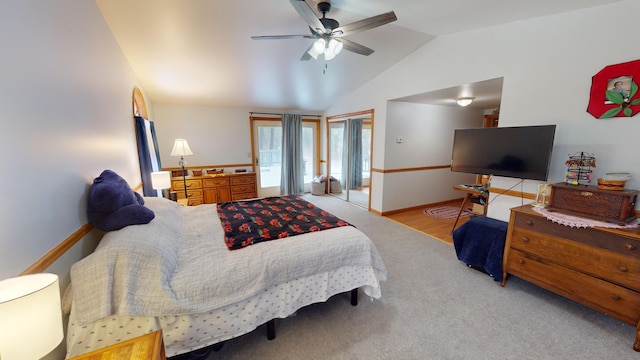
x=365 y=24
x=309 y=16
x=355 y=47
x=278 y=37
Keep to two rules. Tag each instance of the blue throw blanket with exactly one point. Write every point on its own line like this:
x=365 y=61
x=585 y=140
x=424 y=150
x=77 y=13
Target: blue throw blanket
x=480 y=242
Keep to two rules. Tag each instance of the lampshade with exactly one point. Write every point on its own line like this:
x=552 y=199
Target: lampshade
x=160 y=180
x=181 y=148
x=464 y=101
x=30 y=316
x=333 y=48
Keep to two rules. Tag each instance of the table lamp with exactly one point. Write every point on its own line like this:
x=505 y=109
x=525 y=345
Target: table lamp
x=30 y=316
x=161 y=180
x=181 y=148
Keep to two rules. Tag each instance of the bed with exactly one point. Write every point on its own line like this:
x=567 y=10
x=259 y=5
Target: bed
x=177 y=273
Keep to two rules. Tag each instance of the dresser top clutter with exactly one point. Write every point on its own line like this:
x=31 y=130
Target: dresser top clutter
x=617 y=206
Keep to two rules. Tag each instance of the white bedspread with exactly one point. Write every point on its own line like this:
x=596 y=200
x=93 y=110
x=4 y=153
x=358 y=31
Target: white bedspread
x=178 y=264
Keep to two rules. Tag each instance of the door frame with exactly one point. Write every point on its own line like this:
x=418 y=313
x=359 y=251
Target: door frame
x=254 y=155
x=358 y=114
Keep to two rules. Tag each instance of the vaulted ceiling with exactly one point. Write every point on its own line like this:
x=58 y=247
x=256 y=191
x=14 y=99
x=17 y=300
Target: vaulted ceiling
x=201 y=51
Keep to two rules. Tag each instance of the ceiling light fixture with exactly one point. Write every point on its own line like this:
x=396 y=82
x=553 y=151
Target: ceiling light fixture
x=333 y=48
x=330 y=50
x=464 y=101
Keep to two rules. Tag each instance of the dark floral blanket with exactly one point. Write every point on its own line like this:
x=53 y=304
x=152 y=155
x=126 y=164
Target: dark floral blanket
x=253 y=221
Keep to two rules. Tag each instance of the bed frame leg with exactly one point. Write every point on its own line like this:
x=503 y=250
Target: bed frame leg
x=271 y=329
x=354 y=297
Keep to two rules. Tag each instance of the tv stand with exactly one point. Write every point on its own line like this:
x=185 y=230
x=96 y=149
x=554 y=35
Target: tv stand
x=471 y=191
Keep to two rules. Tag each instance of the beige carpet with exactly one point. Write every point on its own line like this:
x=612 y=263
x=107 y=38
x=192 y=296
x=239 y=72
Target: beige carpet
x=434 y=307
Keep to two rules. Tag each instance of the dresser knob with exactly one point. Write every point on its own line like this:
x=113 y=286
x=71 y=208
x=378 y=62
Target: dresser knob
x=615 y=296
x=529 y=222
x=623 y=268
x=521 y=261
x=525 y=239
x=629 y=246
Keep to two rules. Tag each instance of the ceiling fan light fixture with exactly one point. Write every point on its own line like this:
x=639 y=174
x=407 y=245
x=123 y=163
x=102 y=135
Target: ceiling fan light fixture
x=464 y=101
x=314 y=54
x=335 y=46
x=333 y=49
x=319 y=46
x=329 y=54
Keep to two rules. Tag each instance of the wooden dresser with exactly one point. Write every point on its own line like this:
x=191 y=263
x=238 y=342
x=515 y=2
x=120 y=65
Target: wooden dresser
x=597 y=267
x=215 y=188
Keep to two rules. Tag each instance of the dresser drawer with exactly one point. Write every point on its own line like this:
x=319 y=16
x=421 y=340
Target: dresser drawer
x=190 y=194
x=195 y=201
x=610 y=266
x=191 y=184
x=216 y=181
x=244 y=179
x=238 y=189
x=243 y=196
x=610 y=240
x=611 y=299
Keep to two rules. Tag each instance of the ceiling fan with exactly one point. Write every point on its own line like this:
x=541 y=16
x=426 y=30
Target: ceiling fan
x=328 y=33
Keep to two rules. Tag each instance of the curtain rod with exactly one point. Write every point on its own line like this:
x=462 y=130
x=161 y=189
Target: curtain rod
x=266 y=113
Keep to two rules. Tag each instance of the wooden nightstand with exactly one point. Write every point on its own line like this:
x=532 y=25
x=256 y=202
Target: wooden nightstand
x=145 y=347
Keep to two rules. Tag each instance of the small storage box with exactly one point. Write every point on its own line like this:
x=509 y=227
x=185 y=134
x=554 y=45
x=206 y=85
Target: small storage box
x=609 y=205
x=317 y=188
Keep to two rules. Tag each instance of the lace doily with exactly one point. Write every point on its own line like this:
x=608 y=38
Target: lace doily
x=580 y=222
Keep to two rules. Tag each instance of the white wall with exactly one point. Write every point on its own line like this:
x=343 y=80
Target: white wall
x=427 y=139
x=217 y=136
x=65 y=106
x=547 y=64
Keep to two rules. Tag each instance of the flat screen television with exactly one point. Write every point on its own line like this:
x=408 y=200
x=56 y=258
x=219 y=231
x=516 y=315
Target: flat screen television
x=522 y=152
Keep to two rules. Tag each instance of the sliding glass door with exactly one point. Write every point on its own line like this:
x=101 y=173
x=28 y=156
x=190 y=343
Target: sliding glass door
x=267 y=153
x=349 y=142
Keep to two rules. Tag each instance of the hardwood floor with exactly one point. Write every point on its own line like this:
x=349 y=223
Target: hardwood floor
x=437 y=228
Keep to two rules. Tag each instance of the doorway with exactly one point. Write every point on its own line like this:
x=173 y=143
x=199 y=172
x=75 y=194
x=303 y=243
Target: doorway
x=349 y=144
x=267 y=153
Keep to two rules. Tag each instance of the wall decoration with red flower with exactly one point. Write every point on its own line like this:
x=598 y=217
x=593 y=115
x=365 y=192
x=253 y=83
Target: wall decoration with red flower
x=614 y=91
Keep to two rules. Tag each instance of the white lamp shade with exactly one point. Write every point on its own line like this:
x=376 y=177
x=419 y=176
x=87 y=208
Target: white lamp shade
x=30 y=316
x=160 y=180
x=181 y=148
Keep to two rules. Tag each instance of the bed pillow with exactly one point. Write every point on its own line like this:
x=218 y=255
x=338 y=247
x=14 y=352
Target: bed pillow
x=113 y=204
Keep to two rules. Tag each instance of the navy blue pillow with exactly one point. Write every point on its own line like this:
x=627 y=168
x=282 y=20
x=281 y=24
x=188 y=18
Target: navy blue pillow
x=113 y=204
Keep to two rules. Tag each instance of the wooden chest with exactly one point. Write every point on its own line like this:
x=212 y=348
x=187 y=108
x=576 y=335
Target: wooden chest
x=589 y=201
x=597 y=267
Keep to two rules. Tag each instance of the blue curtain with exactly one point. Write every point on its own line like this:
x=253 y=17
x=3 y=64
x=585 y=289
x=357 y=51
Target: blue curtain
x=352 y=154
x=345 y=153
x=355 y=153
x=292 y=176
x=148 y=154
